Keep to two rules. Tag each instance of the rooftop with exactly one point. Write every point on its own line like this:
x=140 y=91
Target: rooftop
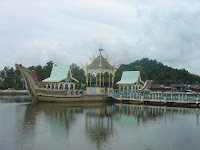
x=96 y=63
x=59 y=73
x=130 y=77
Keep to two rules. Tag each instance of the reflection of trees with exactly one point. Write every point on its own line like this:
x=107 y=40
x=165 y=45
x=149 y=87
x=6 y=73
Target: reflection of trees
x=145 y=113
x=99 y=118
x=99 y=125
x=140 y=112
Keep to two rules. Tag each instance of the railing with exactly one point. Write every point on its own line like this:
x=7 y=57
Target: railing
x=13 y=91
x=176 y=96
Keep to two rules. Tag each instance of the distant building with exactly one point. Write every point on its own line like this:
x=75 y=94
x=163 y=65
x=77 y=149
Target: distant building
x=61 y=78
x=130 y=82
x=179 y=87
x=159 y=87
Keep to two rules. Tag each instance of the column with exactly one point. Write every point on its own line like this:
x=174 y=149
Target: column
x=69 y=86
x=96 y=79
x=59 y=85
x=103 y=79
x=46 y=85
x=100 y=79
x=64 y=85
x=123 y=88
x=50 y=85
x=131 y=88
x=109 y=80
x=90 y=79
x=113 y=76
x=120 y=88
x=74 y=86
x=87 y=79
x=127 y=88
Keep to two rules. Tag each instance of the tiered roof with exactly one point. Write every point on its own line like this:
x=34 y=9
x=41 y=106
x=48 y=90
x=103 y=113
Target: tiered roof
x=96 y=63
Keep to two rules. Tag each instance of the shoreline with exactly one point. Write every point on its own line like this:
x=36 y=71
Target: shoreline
x=13 y=92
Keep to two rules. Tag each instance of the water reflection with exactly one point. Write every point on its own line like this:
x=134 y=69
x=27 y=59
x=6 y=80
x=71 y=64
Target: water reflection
x=15 y=99
x=146 y=114
x=98 y=126
x=100 y=119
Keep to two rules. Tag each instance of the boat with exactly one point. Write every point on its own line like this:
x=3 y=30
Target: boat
x=39 y=93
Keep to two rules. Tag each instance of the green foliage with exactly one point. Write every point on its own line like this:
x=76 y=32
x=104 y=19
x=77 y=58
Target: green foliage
x=10 y=78
x=159 y=73
x=78 y=74
x=43 y=72
x=149 y=70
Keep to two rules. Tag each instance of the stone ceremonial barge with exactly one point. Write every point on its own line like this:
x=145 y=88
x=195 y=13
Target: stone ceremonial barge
x=60 y=86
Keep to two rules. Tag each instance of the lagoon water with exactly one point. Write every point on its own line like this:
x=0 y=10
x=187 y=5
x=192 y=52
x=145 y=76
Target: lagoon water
x=51 y=126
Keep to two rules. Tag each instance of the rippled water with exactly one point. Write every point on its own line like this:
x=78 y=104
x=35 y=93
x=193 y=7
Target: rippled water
x=52 y=126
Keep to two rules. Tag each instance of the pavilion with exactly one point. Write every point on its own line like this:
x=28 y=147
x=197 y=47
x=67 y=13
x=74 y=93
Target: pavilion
x=99 y=75
x=130 y=82
x=61 y=78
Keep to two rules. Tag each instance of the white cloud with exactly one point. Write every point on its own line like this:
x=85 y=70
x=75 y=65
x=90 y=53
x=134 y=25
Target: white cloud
x=35 y=32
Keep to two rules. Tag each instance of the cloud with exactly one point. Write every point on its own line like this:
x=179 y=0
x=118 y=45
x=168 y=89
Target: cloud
x=35 y=32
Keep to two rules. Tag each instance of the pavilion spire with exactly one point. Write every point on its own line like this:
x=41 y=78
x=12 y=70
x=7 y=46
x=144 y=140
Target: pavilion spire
x=100 y=49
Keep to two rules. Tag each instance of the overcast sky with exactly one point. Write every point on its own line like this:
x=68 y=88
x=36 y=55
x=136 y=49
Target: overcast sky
x=33 y=32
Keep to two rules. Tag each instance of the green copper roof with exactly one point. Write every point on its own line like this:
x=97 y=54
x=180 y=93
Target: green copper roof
x=58 y=73
x=96 y=63
x=129 y=77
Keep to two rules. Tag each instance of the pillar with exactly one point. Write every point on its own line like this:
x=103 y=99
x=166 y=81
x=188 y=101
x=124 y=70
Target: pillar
x=123 y=88
x=109 y=80
x=90 y=80
x=69 y=86
x=87 y=79
x=113 y=76
x=96 y=79
x=127 y=88
x=131 y=88
x=74 y=86
x=100 y=79
x=59 y=85
x=103 y=79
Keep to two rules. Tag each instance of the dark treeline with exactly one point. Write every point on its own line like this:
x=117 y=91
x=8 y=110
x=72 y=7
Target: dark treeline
x=159 y=73
x=149 y=70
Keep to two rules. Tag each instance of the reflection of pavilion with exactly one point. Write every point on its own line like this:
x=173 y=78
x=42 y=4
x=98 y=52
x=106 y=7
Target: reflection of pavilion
x=99 y=125
x=100 y=75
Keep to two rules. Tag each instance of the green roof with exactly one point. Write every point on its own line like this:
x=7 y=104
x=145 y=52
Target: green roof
x=59 y=73
x=129 y=77
x=96 y=63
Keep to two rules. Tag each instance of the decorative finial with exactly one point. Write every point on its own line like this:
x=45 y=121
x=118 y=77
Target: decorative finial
x=100 y=49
